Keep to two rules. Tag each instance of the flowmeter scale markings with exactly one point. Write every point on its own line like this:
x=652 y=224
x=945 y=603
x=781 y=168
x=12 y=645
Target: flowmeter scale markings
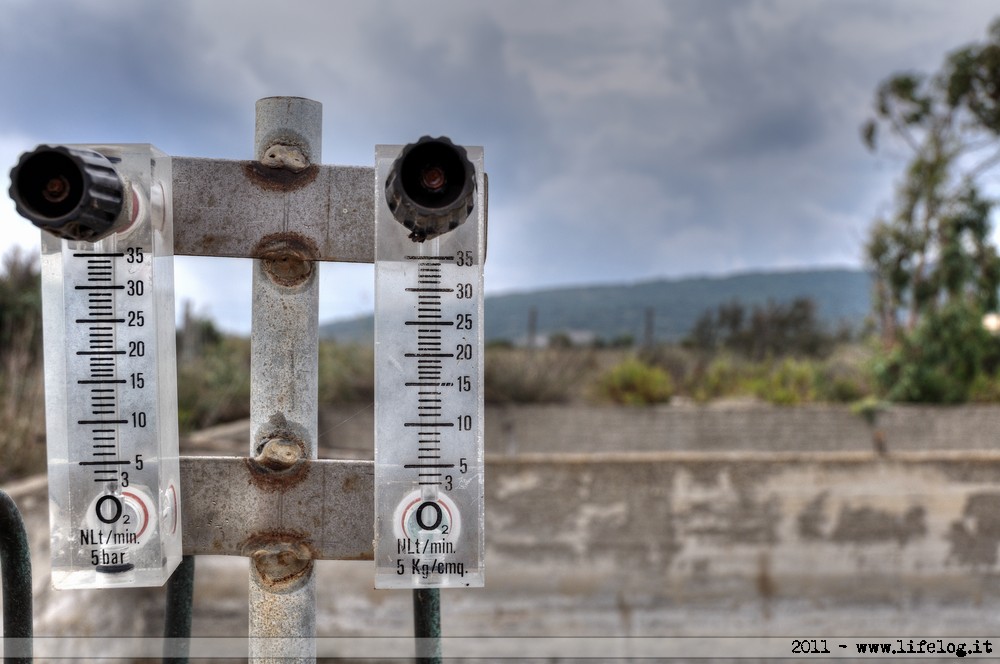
x=109 y=469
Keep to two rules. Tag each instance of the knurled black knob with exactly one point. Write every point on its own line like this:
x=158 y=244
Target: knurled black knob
x=431 y=188
x=72 y=193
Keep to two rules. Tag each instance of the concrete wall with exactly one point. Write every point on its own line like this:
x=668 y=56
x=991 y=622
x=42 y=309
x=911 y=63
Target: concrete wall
x=686 y=536
x=837 y=528
x=513 y=430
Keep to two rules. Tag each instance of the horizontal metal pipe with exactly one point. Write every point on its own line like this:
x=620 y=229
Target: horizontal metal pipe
x=229 y=208
x=232 y=508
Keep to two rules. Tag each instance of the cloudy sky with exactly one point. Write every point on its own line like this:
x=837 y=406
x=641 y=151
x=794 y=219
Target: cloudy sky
x=624 y=141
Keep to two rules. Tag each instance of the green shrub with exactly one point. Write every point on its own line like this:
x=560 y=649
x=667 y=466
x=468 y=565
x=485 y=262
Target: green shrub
x=346 y=373
x=681 y=363
x=214 y=386
x=634 y=382
x=722 y=377
x=869 y=408
x=844 y=378
x=791 y=382
x=942 y=360
x=985 y=388
x=842 y=381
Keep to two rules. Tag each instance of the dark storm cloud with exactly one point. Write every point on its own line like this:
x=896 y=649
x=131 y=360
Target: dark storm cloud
x=118 y=71
x=728 y=139
x=778 y=130
x=458 y=85
x=623 y=140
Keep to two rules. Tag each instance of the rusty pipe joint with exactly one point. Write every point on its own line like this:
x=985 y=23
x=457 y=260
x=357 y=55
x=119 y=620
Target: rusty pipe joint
x=283 y=562
x=288 y=258
x=288 y=157
x=280 y=454
x=280 y=463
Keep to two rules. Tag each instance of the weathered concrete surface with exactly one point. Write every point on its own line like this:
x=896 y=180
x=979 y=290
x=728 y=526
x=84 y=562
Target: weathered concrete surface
x=838 y=528
x=658 y=544
x=726 y=426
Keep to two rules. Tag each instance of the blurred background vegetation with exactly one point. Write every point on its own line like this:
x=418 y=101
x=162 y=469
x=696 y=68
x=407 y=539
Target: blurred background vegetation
x=22 y=397
x=776 y=353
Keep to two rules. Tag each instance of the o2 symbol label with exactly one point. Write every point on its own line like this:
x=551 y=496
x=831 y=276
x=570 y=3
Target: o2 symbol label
x=131 y=511
x=108 y=508
x=437 y=518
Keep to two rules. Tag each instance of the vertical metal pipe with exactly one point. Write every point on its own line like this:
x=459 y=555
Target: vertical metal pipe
x=177 y=624
x=15 y=563
x=284 y=389
x=289 y=121
x=427 y=624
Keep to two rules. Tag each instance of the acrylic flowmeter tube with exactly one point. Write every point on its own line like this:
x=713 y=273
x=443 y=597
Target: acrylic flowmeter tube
x=111 y=389
x=428 y=404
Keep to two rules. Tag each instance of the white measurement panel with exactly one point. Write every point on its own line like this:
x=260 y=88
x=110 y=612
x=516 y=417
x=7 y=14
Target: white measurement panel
x=428 y=405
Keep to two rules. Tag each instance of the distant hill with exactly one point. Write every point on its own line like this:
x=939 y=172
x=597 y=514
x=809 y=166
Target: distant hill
x=617 y=310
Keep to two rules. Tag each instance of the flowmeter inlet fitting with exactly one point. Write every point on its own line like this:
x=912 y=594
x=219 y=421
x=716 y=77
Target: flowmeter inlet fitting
x=431 y=188
x=72 y=193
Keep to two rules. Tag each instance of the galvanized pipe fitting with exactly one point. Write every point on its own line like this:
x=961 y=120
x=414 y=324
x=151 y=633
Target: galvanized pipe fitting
x=291 y=122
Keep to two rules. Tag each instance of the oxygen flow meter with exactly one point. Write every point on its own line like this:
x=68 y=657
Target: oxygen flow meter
x=430 y=244
x=110 y=367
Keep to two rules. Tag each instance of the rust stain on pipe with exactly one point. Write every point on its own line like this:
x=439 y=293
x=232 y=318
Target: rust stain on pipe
x=281 y=460
x=279 y=179
x=283 y=559
x=272 y=481
x=287 y=257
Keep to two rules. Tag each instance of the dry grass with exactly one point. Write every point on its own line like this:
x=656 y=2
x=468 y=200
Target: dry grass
x=22 y=436
x=552 y=375
x=22 y=394
x=346 y=373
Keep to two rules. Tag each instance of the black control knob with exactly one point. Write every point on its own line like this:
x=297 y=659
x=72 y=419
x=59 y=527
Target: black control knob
x=431 y=188
x=72 y=193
